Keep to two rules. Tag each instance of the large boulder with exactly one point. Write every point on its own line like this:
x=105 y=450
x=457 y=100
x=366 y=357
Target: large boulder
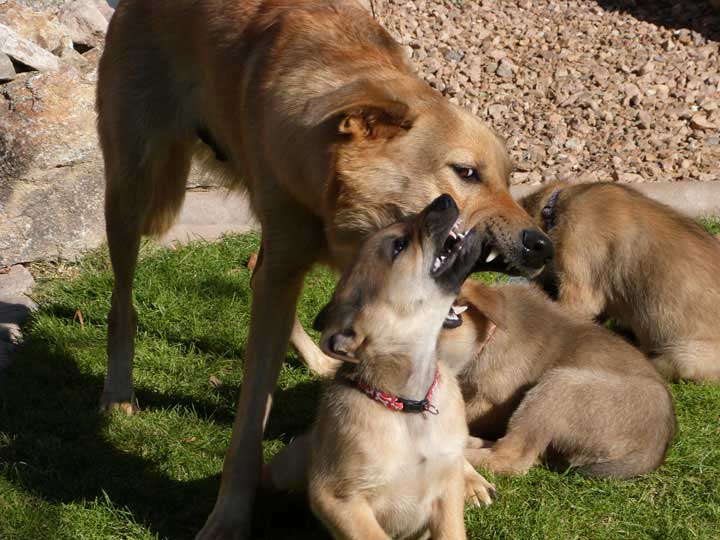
x=50 y=169
x=25 y=51
x=39 y=27
x=87 y=20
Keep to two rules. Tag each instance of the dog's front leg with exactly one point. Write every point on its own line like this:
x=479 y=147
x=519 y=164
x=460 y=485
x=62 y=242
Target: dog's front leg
x=317 y=362
x=276 y=287
x=348 y=518
x=447 y=522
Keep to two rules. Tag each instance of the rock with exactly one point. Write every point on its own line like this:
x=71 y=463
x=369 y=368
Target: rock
x=644 y=120
x=25 y=51
x=51 y=174
x=15 y=281
x=505 y=69
x=85 y=21
x=701 y=122
x=39 y=27
x=7 y=70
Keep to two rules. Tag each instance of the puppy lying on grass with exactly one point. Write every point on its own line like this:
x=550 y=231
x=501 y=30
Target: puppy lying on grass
x=550 y=385
x=385 y=457
x=653 y=270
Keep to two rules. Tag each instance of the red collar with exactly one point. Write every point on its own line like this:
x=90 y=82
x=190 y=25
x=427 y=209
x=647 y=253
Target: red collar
x=396 y=403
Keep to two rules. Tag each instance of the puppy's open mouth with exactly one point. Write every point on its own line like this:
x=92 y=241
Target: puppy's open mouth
x=451 y=248
x=454 y=316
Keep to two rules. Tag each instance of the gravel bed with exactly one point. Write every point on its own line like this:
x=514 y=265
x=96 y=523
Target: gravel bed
x=583 y=90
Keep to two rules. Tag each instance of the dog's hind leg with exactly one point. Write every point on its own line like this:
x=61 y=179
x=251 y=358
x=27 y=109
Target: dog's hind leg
x=692 y=360
x=143 y=191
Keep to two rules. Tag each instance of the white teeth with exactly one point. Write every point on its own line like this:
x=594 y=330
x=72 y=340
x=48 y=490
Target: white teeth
x=492 y=255
x=459 y=309
x=442 y=258
x=437 y=263
x=452 y=317
x=453 y=234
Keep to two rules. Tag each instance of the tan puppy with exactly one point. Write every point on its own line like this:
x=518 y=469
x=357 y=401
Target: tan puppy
x=314 y=110
x=378 y=465
x=625 y=256
x=552 y=386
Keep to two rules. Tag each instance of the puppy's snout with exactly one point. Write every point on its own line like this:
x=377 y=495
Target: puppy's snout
x=442 y=203
x=538 y=249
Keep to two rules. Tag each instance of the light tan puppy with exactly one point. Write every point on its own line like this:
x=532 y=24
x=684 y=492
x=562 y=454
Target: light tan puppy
x=555 y=387
x=385 y=457
x=653 y=270
x=313 y=109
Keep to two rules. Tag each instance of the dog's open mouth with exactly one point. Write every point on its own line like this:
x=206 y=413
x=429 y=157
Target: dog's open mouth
x=493 y=259
x=454 y=316
x=450 y=250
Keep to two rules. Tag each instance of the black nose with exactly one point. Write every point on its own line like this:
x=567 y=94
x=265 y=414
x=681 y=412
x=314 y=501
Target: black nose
x=443 y=202
x=538 y=249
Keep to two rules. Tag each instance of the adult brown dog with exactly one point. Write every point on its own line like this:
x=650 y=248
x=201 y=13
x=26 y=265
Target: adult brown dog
x=314 y=110
x=656 y=272
x=385 y=457
x=551 y=386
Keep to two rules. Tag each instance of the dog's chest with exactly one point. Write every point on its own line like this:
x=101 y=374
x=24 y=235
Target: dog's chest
x=419 y=460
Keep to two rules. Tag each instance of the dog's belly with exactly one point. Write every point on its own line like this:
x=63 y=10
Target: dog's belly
x=415 y=481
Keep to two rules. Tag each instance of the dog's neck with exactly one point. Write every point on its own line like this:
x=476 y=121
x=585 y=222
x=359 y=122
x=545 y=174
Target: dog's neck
x=406 y=376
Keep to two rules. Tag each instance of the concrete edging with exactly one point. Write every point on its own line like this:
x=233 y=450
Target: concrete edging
x=207 y=215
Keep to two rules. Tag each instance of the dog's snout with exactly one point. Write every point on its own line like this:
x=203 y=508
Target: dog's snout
x=538 y=249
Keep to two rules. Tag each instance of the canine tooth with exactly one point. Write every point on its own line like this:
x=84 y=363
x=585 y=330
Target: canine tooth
x=492 y=256
x=443 y=257
x=452 y=317
x=437 y=263
x=453 y=234
x=459 y=309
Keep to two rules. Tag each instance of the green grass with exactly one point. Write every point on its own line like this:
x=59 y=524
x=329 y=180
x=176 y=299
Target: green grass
x=67 y=472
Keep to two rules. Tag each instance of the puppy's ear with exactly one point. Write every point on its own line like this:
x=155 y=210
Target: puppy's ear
x=361 y=110
x=339 y=338
x=487 y=300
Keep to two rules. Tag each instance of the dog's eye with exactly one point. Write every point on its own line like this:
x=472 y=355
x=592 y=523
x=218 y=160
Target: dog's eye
x=399 y=244
x=466 y=173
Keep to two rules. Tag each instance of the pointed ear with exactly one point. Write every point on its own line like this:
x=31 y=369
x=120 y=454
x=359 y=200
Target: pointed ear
x=487 y=300
x=361 y=110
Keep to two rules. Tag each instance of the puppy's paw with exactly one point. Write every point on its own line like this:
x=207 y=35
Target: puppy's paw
x=478 y=490
x=477 y=443
x=110 y=403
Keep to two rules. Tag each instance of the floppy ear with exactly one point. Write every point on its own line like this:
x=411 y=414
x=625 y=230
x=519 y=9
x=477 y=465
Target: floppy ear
x=361 y=110
x=487 y=300
x=339 y=338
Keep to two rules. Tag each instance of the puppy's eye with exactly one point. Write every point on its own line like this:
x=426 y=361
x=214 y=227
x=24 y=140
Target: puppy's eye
x=469 y=174
x=399 y=244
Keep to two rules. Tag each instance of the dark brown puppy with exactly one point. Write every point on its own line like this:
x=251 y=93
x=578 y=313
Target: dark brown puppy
x=551 y=386
x=625 y=256
x=313 y=109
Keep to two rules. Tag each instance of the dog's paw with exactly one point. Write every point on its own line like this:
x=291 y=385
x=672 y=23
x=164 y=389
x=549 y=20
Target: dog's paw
x=478 y=491
x=109 y=403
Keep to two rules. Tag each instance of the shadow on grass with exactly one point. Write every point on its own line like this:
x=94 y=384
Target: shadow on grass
x=56 y=448
x=697 y=15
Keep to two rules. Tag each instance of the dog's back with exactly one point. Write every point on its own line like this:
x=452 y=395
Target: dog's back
x=564 y=388
x=623 y=255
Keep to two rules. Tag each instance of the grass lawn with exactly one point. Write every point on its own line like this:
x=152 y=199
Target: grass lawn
x=67 y=472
